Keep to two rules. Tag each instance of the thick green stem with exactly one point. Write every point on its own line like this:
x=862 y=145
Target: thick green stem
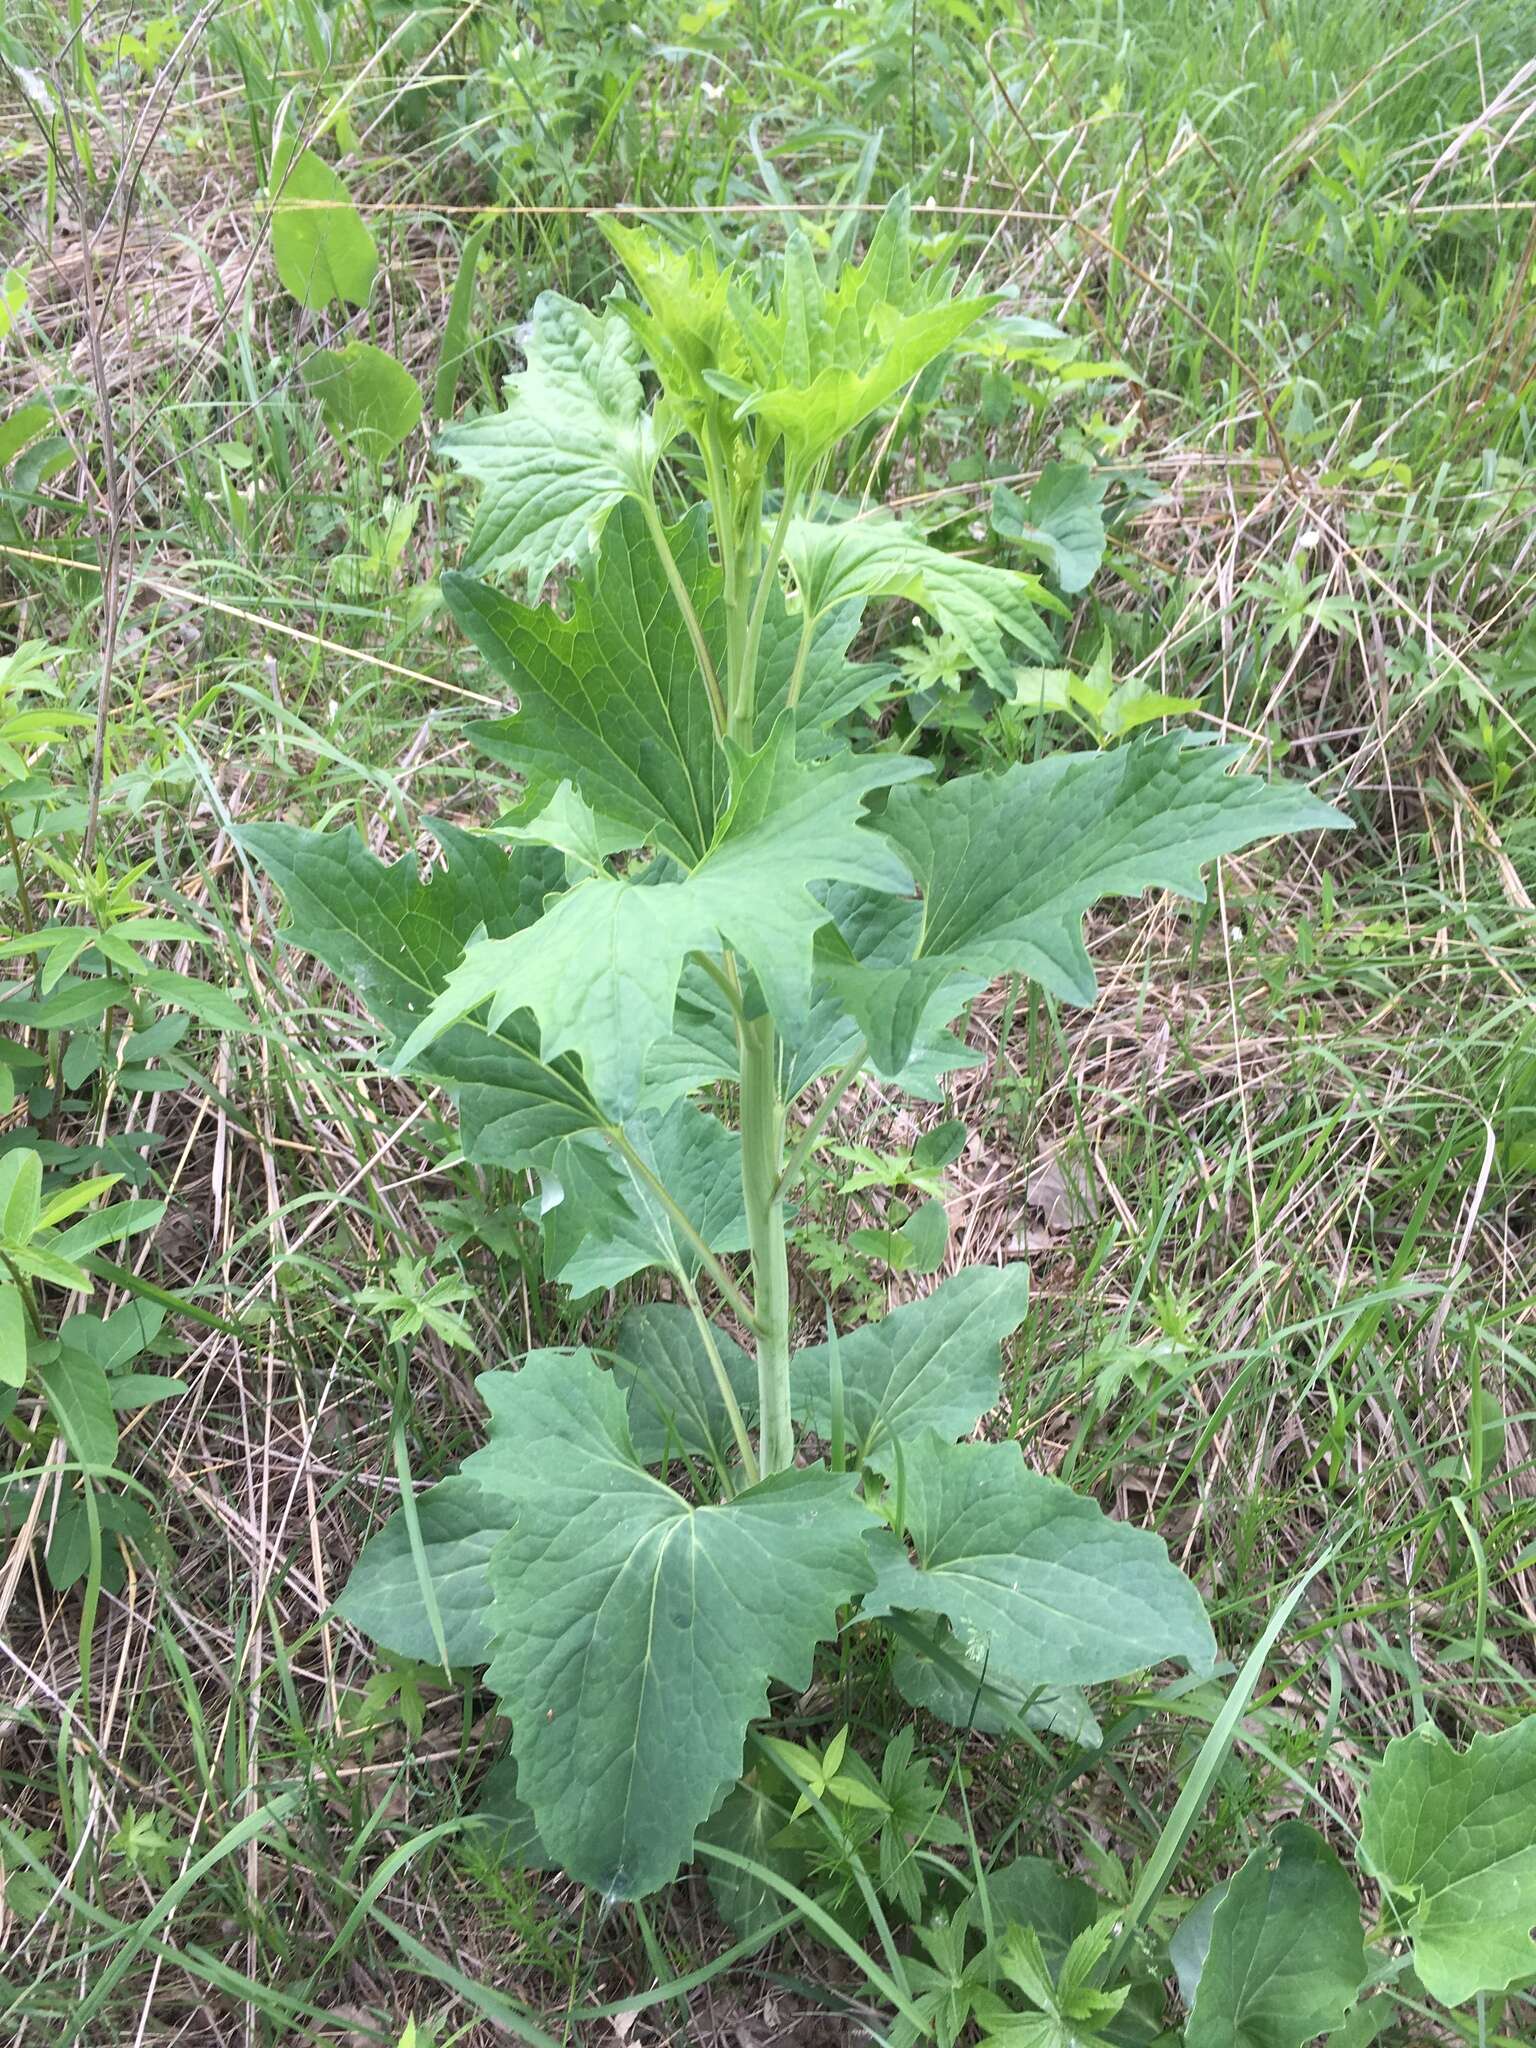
x=762 y=1162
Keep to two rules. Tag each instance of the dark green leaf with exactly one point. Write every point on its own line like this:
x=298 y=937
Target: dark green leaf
x=612 y=698
x=610 y=1222
x=675 y=1401
x=1286 y=1958
x=1061 y=521
x=1008 y=864
x=394 y=938
x=1032 y=1892
x=600 y=970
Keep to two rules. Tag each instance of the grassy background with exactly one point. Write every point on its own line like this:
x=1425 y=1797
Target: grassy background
x=1275 y=1186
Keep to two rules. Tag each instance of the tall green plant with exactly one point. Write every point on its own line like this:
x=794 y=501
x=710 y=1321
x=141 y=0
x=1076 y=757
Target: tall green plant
x=715 y=906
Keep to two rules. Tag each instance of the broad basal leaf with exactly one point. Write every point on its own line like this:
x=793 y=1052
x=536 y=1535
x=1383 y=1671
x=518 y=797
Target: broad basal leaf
x=638 y=1632
x=574 y=440
x=611 y=698
x=1454 y=1832
x=1061 y=522
x=1008 y=864
x=931 y=1364
x=394 y=938
x=459 y=1524
x=600 y=970
x=1022 y=1566
x=1286 y=1958
x=982 y=607
x=319 y=243
x=675 y=1400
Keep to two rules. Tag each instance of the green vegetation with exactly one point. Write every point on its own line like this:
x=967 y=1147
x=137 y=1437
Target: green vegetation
x=690 y=1346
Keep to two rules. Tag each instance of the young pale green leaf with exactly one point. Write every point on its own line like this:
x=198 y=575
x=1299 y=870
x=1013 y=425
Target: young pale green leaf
x=612 y=698
x=1023 y=1567
x=1454 y=1832
x=567 y=821
x=319 y=243
x=611 y=1222
x=21 y=1195
x=366 y=396
x=1286 y=1957
x=80 y=1396
x=982 y=607
x=574 y=440
x=1008 y=864
x=600 y=969
x=676 y=1403
x=1061 y=522
x=394 y=938
x=687 y=326
x=821 y=358
x=638 y=1632
x=13 y=1335
x=70 y=1201
x=931 y=1364
x=460 y=1524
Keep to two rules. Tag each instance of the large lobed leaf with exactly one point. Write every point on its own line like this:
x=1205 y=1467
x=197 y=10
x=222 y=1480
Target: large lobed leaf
x=600 y=969
x=1028 y=1571
x=1454 y=1832
x=574 y=440
x=612 y=697
x=1008 y=864
x=676 y=1404
x=638 y=1632
x=459 y=1524
x=393 y=938
x=610 y=1223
